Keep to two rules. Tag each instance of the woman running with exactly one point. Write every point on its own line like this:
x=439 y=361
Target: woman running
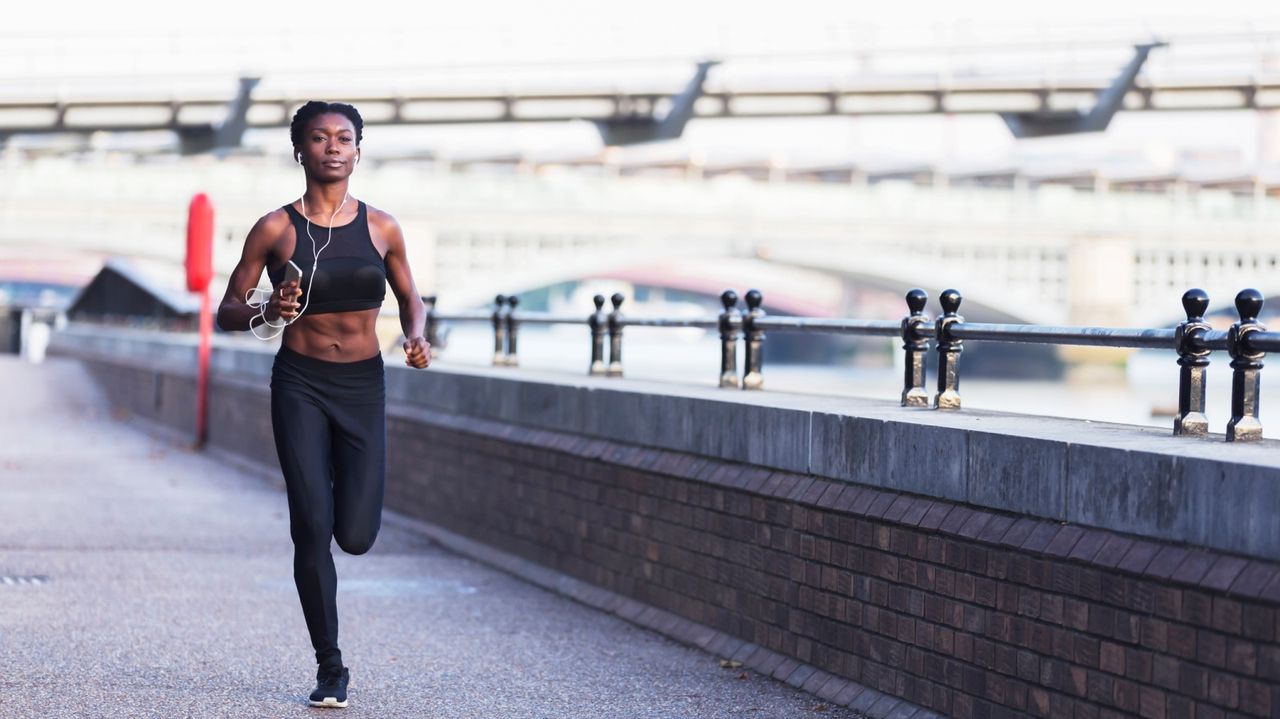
x=327 y=388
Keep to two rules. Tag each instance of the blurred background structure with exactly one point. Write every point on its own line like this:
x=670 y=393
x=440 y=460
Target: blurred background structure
x=830 y=156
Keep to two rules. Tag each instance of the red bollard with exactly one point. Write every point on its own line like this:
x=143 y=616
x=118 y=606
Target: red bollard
x=199 y=266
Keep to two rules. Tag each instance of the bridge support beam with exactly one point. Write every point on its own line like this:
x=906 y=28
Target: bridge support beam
x=1100 y=292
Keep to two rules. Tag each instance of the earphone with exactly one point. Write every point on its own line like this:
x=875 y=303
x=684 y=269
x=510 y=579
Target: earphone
x=299 y=158
x=261 y=303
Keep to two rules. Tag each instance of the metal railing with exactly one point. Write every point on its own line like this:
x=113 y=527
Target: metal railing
x=1246 y=342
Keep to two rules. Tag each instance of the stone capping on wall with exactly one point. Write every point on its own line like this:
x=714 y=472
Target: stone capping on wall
x=1098 y=549
x=1135 y=480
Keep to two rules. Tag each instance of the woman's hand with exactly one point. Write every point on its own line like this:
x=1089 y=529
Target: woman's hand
x=417 y=352
x=283 y=304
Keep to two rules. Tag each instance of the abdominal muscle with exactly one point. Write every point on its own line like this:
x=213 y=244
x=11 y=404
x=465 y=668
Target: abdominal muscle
x=335 y=337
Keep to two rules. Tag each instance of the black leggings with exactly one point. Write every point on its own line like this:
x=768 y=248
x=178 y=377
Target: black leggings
x=329 y=421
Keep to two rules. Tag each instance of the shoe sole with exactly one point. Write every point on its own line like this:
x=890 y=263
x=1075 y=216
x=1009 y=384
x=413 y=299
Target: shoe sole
x=329 y=702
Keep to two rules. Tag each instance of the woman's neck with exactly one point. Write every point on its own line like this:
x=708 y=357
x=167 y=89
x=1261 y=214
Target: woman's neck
x=323 y=200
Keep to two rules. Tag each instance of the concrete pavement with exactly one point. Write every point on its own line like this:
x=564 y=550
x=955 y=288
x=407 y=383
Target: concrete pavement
x=147 y=580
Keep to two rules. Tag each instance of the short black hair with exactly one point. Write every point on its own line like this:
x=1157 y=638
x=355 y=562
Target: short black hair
x=309 y=111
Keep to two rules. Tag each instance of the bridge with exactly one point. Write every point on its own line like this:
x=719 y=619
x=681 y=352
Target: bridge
x=1057 y=255
x=1209 y=72
x=892 y=561
x=905 y=97
x=1243 y=82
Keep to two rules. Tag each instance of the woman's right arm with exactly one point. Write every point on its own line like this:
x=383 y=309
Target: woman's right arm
x=234 y=313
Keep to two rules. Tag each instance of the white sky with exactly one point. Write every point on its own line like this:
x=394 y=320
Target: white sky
x=231 y=33
x=242 y=15
x=77 y=48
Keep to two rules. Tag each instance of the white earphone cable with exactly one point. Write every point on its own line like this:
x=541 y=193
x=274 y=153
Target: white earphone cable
x=260 y=302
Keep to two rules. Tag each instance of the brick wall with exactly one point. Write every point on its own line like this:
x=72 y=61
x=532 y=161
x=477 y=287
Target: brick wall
x=966 y=612
x=963 y=611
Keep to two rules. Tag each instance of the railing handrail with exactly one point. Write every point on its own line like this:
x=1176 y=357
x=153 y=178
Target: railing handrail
x=1261 y=341
x=465 y=315
x=1194 y=340
x=1078 y=336
x=832 y=325
x=706 y=323
x=548 y=318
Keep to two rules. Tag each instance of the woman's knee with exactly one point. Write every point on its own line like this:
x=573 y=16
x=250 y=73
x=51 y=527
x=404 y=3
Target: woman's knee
x=356 y=542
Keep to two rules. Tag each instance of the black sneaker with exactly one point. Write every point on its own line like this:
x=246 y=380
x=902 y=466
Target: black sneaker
x=331 y=689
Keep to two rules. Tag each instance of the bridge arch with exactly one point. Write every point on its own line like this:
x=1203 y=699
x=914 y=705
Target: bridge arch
x=793 y=289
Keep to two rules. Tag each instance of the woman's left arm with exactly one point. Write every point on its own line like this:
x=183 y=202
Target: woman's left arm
x=413 y=313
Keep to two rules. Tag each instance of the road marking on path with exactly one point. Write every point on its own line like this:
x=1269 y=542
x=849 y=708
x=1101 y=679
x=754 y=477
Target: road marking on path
x=13 y=581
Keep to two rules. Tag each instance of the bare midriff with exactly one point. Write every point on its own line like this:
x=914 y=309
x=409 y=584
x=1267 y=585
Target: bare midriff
x=335 y=337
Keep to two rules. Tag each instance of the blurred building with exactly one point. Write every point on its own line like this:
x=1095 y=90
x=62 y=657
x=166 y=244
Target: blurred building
x=123 y=294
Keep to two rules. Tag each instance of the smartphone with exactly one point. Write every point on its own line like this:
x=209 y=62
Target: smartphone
x=292 y=273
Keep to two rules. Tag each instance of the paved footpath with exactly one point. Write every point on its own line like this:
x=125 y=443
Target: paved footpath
x=164 y=589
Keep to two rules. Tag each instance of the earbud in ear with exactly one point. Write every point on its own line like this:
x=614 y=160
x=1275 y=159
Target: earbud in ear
x=357 y=159
x=299 y=157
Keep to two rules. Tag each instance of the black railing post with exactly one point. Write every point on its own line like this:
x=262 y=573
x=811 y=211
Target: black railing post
x=730 y=320
x=949 y=349
x=615 y=336
x=499 y=331
x=1246 y=366
x=598 y=321
x=752 y=373
x=512 y=359
x=433 y=325
x=1193 y=363
x=916 y=348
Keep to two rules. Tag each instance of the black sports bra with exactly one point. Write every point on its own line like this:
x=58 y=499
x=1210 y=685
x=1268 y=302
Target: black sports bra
x=351 y=274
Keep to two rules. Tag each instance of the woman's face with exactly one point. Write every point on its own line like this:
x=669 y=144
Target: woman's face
x=328 y=146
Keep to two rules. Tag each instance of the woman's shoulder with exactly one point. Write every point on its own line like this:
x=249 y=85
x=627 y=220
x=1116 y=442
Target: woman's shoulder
x=269 y=230
x=274 y=223
x=277 y=219
x=381 y=219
